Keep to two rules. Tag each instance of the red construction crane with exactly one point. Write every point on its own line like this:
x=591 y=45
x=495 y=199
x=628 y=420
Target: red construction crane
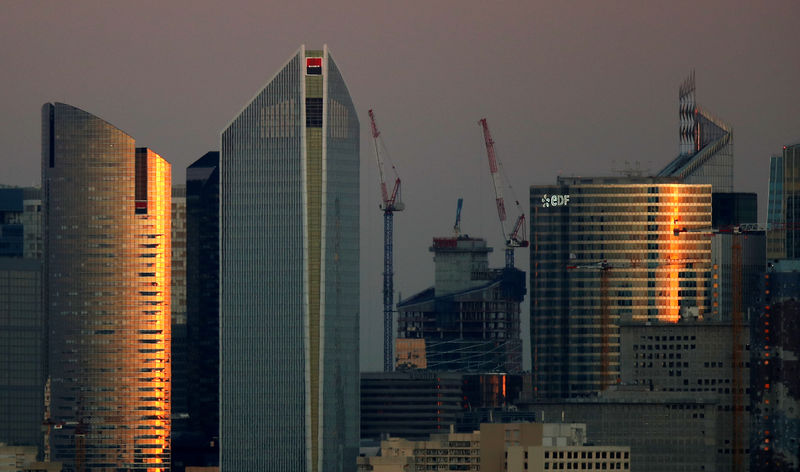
x=516 y=238
x=390 y=203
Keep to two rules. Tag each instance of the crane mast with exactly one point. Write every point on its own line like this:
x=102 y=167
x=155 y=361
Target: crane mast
x=390 y=202
x=516 y=238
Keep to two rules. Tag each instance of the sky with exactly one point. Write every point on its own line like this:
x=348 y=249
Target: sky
x=568 y=88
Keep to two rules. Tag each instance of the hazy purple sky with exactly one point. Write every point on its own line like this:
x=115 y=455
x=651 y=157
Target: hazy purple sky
x=572 y=87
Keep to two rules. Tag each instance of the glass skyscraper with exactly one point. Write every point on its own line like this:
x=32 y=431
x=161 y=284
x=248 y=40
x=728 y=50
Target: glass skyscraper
x=606 y=250
x=705 y=145
x=783 y=215
x=107 y=294
x=196 y=432
x=289 y=203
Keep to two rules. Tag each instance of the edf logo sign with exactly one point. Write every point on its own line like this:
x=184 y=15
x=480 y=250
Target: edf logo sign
x=554 y=200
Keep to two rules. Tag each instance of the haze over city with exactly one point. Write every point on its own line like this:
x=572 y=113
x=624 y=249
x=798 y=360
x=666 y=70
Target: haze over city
x=574 y=88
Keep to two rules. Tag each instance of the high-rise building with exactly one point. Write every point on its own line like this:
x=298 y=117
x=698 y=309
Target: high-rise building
x=289 y=274
x=180 y=361
x=783 y=235
x=706 y=358
x=196 y=433
x=22 y=323
x=775 y=202
x=733 y=209
x=22 y=352
x=469 y=320
x=20 y=225
x=775 y=389
x=666 y=431
x=605 y=250
x=409 y=404
x=107 y=294
x=705 y=145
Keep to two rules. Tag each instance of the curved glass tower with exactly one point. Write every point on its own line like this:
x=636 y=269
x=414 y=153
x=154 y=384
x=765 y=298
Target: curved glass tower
x=107 y=294
x=289 y=298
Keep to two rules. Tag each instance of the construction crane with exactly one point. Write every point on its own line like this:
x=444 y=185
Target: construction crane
x=457 y=225
x=516 y=238
x=390 y=203
x=605 y=267
x=737 y=326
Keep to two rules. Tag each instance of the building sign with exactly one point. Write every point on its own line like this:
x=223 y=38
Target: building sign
x=554 y=200
x=313 y=66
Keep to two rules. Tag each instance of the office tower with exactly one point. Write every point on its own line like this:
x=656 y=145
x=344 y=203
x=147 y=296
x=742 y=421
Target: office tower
x=22 y=350
x=608 y=249
x=666 y=431
x=409 y=404
x=107 y=294
x=705 y=145
x=696 y=357
x=775 y=202
x=742 y=252
x=775 y=389
x=180 y=361
x=196 y=435
x=22 y=324
x=20 y=225
x=729 y=209
x=783 y=235
x=289 y=295
x=469 y=319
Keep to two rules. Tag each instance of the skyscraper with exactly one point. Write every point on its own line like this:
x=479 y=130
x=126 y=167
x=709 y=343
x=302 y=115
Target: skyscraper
x=783 y=235
x=289 y=204
x=21 y=351
x=22 y=324
x=605 y=250
x=107 y=294
x=469 y=320
x=196 y=434
x=705 y=145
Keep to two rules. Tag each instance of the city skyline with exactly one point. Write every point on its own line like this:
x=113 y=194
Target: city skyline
x=553 y=80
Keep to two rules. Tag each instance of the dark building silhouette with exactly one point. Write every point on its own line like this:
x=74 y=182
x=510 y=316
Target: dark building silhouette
x=20 y=222
x=196 y=430
x=775 y=372
x=469 y=321
x=783 y=235
x=733 y=209
x=22 y=352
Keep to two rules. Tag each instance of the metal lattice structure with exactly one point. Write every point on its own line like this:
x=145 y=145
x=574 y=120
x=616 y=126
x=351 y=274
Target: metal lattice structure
x=389 y=204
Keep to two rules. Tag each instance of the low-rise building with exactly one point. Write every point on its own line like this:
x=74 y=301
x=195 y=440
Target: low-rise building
x=497 y=448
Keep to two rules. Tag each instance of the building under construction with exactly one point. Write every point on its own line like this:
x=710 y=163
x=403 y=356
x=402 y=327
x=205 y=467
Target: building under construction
x=469 y=321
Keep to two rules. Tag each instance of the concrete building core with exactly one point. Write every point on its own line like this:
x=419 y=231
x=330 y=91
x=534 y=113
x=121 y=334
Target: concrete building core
x=470 y=319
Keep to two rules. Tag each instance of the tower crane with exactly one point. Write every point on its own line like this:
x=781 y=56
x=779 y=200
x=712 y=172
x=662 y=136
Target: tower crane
x=516 y=238
x=605 y=268
x=737 y=326
x=390 y=203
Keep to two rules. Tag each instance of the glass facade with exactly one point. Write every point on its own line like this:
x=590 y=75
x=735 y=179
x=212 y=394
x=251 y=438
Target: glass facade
x=289 y=203
x=783 y=235
x=107 y=277
x=607 y=248
x=705 y=145
x=21 y=352
x=196 y=435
